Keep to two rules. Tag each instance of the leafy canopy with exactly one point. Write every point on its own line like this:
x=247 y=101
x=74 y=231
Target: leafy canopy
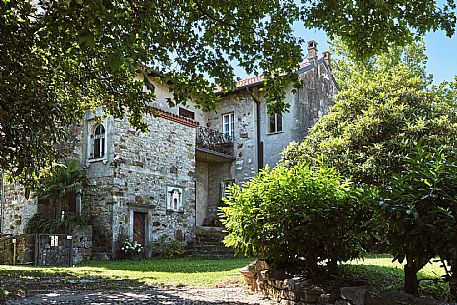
x=383 y=109
x=390 y=128
x=420 y=208
x=299 y=216
x=61 y=58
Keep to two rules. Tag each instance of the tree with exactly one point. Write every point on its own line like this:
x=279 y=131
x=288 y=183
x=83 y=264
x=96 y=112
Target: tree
x=381 y=111
x=371 y=134
x=420 y=208
x=61 y=58
x=299 y=218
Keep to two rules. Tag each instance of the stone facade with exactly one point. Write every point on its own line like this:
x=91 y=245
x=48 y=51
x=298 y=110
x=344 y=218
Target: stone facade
x=172 y=178
x=20 y=249
x=17 y=209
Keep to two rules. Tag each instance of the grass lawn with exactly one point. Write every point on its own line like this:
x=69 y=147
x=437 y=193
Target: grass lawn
x=379 y=271
x=192 y=272
x=383 y=274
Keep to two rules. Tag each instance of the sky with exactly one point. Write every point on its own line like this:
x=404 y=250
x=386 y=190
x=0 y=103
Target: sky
x=440 y=49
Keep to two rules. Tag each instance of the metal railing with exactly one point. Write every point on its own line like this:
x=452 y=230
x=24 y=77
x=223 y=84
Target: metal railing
x=214 y=140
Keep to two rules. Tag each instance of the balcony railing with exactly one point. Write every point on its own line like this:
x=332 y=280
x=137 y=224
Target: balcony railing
x=214 y=140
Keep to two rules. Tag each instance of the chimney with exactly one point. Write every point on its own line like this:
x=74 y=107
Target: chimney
x=312 y=51
x=327 y=61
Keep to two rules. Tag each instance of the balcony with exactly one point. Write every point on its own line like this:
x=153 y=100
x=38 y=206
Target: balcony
x=213 y=146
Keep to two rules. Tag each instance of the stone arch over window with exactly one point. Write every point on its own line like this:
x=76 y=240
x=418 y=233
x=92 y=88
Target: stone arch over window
x=98 y=141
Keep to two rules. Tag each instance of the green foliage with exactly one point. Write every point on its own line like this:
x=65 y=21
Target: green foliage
x=378 y=116
x=421 y=210
x=65 y=178
x=167 y=246
x=299 y=216
x=385 y=108
x=42 y=224
x=61 y=58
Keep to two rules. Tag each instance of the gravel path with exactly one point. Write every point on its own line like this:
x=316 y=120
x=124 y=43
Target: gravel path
x=86 y=292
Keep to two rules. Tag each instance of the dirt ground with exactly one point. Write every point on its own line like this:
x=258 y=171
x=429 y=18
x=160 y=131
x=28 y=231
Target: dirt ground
x=70 y=290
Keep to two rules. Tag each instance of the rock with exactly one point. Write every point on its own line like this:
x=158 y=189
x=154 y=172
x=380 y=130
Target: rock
x=323 y=299
x=355 y=294
x=342 y=302
x=399 y=298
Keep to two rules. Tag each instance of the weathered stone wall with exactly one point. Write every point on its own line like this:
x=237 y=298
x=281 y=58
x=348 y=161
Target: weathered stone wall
x=25 y=249
x=288 y=289
x=217 y=172
x=306 y=106
x=17 y=209
x=144 y=165
x=245 y=148
x=315 y=98
x=201 y=176
x=82 y=244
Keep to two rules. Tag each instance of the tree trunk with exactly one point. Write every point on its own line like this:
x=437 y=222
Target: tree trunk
x=453 y=285
x=332 y=266
x=411 y=282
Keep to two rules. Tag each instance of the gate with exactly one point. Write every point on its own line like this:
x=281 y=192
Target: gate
x=53 y=250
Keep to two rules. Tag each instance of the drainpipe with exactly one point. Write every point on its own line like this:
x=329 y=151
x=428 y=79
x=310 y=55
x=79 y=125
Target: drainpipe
x=259 y=142
x=2 y=203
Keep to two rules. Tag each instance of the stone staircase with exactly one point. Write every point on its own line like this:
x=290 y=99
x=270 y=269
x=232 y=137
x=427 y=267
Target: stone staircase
x=208 y=243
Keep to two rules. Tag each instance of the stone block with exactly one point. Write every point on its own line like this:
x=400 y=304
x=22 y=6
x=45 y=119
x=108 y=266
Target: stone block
x=323 y=299
x=355 y=294
x=342 y=302
x=309 y=298
x=399 y=298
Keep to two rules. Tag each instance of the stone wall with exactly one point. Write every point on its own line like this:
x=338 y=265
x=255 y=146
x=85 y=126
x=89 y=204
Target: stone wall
x=201 y=173
x=135 y=177
x=287 y=289
x=309 y=103
x=245 y=148
x=17 y=209
x=25 y=247
x=82 y=244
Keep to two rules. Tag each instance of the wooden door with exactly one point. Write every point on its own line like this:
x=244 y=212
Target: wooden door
x=139 y=227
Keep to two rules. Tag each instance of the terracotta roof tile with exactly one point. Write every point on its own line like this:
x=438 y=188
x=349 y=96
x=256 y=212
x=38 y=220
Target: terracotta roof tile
x=255 y=80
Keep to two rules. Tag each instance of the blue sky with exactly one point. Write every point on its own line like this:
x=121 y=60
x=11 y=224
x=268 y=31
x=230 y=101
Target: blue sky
x=440 y=49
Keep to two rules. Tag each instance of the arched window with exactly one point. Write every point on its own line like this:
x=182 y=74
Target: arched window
x=98 y=142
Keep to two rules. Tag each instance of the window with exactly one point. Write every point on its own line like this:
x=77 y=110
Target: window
x=174 y=199
x=275 y=123
x=98 y=142
x=228 y=128
x=225 y=184
x=186 y=113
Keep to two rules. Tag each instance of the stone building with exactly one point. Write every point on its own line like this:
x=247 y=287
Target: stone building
x=171 y=179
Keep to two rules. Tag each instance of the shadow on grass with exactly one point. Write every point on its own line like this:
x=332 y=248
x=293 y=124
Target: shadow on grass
x=384 y=278
x=173 y=265
x=35 y=287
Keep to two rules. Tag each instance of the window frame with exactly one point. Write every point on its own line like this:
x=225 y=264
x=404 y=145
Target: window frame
x=277 y=124
x=93 y=138
x=228 y=129
x=186 y=113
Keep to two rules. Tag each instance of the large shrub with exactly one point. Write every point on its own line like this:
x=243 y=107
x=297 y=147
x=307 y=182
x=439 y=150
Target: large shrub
x=299 y=216
x=383 y=109
x=420 y=208
x=371 y=133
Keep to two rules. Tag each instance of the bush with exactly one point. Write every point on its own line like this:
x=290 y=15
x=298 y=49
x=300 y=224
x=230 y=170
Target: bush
x=421 y=209
x=299 y=216
x=167 y=246
x=42 y=224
